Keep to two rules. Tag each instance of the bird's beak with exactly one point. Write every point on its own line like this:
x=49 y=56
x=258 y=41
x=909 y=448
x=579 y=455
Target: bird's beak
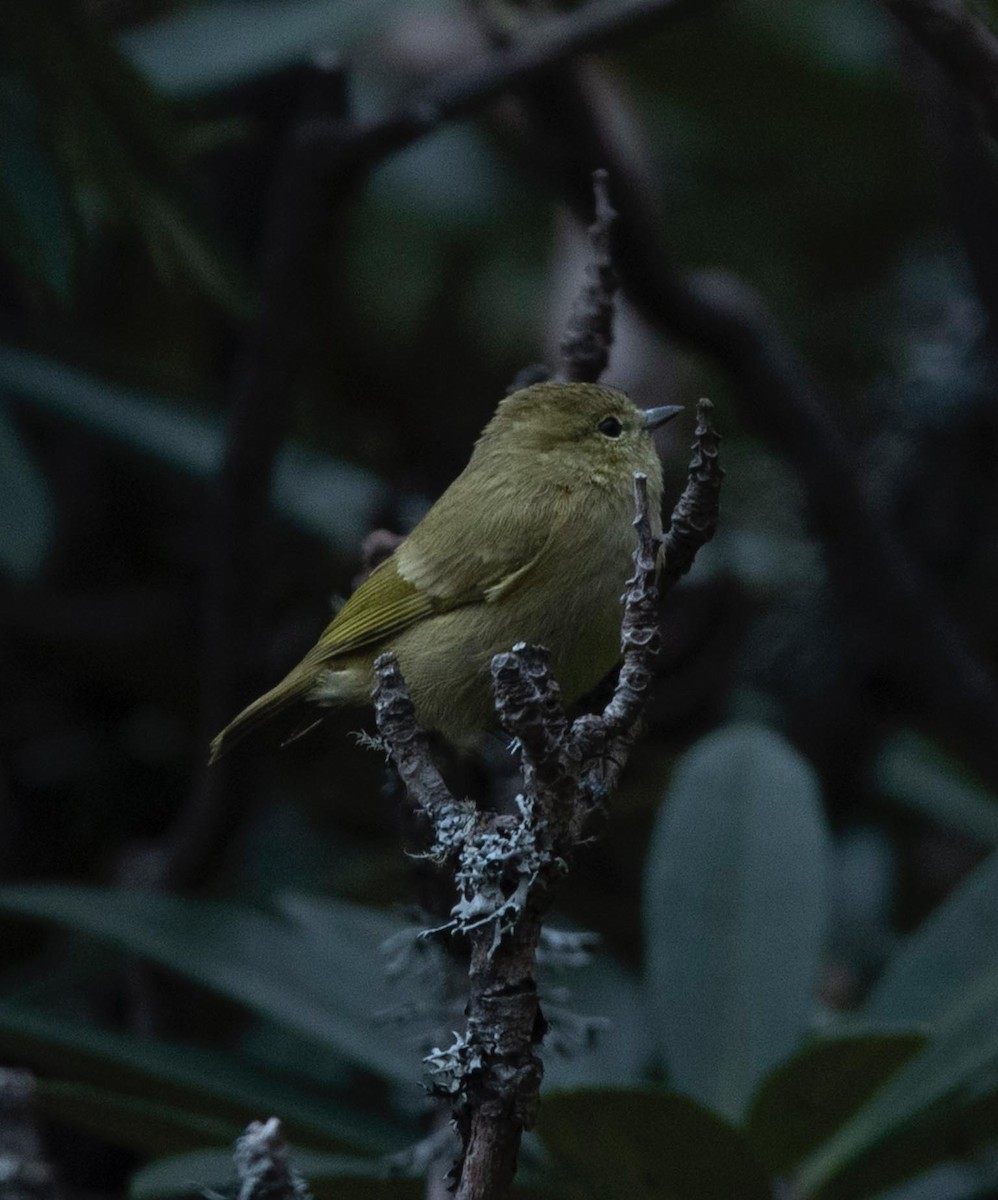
x=658 y=416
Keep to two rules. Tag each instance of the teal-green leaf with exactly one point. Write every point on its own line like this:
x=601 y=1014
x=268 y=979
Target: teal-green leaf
x=208 y=47
x=27 y=514
x=735 y=909
x=925 y=1093
x=942 y=958
x=604 y=990
x=809 y=1096
x=147 y=1126
x=206 y=1082
x=39 y=236
x=915 y=1160
x=257 y=958
x=328 y=497
x=330 y=1177
x=913 y=773
x=647 y=1145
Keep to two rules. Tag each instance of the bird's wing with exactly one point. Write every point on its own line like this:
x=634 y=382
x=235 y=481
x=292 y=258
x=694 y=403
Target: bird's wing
x=468 y=552
x=384 y=604
x=460 y=562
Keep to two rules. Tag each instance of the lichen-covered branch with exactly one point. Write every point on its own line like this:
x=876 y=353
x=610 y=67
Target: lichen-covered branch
x=507 y=869
x=410 y=749
x=263 y=1169
x=694 y=518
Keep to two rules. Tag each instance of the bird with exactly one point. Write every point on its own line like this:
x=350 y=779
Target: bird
x=532 y=542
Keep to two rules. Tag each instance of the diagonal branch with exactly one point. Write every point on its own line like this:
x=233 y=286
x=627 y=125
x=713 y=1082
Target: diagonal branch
x=467 y=90
x=585 y=347
x=962 y=41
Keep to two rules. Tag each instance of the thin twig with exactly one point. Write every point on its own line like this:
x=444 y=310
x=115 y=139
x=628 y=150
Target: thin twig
x=779 y=399
x=268 y=365
x=263 y=1168
x=466 y=90
x=396 y=720
x=585 y=348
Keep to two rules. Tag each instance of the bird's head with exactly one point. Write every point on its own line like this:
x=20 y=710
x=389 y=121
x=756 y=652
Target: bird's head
x=576 y=431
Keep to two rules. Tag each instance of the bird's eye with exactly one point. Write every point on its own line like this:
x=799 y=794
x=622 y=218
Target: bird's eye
x=611 y=427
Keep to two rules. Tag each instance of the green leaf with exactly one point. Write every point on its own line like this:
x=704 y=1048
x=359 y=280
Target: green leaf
x=734 y=913
x=147 y=1126
x=27 y=514
x=213 y=46
x=807 y=1098
x=39 y=234
x=207 y=1083
x=913 y=773
x=647 y=1144
x=258 y=959
x=114 y=140
x=940 y=960
x=329 y=1176
x=328 y=497
x=926 y=1092
x=622 y=1051
x=917 y=1159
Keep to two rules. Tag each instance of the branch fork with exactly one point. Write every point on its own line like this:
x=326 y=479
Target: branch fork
x=507 y=867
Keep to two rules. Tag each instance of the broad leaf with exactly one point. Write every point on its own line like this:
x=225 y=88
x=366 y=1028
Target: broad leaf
x=647 y=1145
x=208 y=1083
x=807 y=1098
x=328 y=497
x=914 y=774
x=256 y=958
x=39 y=234
x=621 y=1050
x=734 y=914
x=208 y=47
x=27 y=517
x=329 y=1177
x=938 y=962
x=147 y=1126
x=925 y=1092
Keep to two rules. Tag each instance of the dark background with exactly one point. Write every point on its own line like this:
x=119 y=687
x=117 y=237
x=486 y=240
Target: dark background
x=187 y=299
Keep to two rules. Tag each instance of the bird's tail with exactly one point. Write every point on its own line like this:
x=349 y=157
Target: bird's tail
x=294 y=686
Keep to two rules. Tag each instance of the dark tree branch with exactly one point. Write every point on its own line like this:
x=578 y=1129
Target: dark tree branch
x=694 y=518
x=719 y=316
x=961 y=152
x=918 y=641
x=963 y=42
x=585 y=348
x=410 y=746
x=467 y=90
x=267 y=371
x=508 y=870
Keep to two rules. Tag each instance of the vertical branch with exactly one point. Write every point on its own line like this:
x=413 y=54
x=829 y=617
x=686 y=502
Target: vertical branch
x=268 y=366
x=585 y=347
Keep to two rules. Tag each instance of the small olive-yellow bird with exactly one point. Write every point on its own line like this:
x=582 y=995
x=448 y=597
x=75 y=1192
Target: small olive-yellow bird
x=532 y=542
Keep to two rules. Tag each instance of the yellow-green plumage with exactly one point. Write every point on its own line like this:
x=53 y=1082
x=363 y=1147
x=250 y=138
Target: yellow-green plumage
x=532 y=542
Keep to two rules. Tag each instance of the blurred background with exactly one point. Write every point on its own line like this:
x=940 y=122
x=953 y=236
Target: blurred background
x=236 y=338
